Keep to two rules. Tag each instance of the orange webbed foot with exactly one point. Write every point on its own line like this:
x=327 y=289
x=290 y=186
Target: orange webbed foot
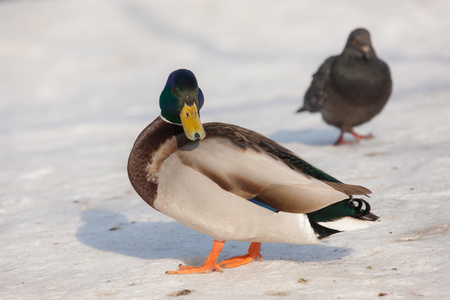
x=237 y=261
x=210 y=263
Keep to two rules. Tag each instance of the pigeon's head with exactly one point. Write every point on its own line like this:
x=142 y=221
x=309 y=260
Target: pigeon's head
x=359 y=44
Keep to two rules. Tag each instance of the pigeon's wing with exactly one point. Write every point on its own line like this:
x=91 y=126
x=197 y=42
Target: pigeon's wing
x=316 y=94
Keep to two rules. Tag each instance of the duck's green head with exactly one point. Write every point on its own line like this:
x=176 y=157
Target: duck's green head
x=180 y=103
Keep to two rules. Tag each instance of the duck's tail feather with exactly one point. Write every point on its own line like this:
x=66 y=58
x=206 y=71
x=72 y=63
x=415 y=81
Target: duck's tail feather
x=350 y=214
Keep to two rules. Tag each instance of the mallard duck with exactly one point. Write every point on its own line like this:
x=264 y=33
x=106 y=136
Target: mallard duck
x=351 y=88
x=232 y=183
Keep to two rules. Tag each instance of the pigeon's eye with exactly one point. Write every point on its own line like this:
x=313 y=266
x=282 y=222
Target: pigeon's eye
x=354 y=42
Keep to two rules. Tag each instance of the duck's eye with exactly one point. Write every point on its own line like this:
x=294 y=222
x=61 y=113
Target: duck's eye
x=354 y=42
x=174 y=90
x=187 y=115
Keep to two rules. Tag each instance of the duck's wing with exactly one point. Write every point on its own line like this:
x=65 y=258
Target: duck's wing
x=317 y=93
x=253 y=166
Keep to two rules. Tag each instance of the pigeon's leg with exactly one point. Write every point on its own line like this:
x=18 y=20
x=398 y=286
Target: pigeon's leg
x=210 y=263
x=341 y=140
x=359 y=137
x=237 y=261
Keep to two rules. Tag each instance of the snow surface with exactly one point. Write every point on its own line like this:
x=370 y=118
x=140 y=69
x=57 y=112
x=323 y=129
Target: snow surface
x=80 y=79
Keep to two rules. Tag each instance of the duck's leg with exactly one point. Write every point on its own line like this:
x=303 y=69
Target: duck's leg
x=210 y=263
x=237 y=261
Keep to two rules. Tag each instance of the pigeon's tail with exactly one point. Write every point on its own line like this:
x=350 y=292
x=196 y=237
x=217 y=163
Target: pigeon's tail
x=303 y=108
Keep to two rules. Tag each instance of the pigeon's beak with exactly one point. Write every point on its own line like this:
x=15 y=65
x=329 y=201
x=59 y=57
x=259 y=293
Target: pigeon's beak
x=366 y=52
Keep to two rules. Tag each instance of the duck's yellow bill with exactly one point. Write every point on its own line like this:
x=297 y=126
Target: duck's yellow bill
x=190 y=119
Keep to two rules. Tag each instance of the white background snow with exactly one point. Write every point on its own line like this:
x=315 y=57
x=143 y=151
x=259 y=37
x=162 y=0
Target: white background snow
x=80 y=79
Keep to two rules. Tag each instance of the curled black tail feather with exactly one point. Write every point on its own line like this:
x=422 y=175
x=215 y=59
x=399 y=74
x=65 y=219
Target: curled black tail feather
x=358 y=206
x=362 y=209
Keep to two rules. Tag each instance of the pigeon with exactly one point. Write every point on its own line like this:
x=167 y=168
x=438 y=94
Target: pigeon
x=351 y=88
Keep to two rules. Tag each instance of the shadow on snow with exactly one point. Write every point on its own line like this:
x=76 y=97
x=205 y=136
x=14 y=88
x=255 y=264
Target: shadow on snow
x=109 y=231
